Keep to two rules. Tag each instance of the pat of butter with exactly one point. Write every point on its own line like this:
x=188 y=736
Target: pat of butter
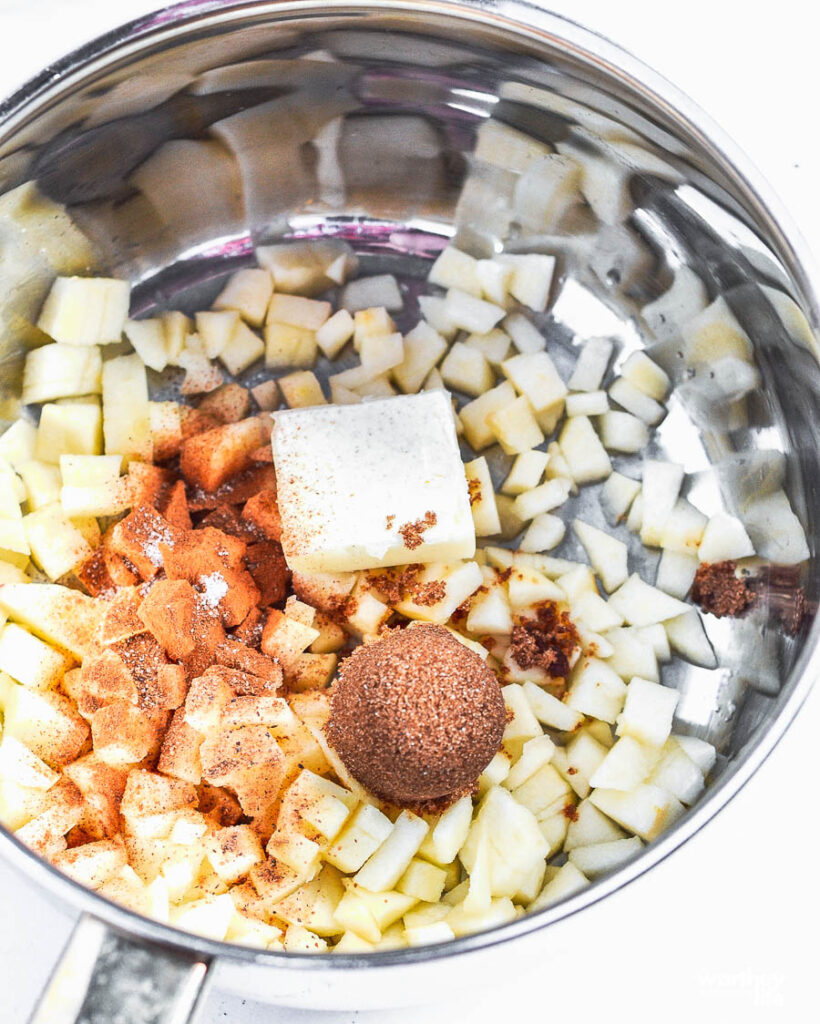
x=374 y=484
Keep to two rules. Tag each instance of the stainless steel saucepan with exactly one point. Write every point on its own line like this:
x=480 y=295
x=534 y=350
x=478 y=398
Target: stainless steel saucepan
x=174 y=145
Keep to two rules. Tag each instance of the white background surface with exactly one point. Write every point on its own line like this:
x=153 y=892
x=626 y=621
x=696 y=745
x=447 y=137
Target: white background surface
x=726 y=925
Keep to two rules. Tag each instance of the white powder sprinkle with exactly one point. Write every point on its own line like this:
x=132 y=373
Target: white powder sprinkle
x=214 y=588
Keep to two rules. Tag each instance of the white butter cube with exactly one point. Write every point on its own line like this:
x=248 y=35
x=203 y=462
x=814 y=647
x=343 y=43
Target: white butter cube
x=376 y=484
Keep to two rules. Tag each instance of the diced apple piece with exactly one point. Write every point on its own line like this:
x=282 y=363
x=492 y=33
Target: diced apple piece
x=544 y=533
x=360 y=838
x=524 y=334
x=490 y=613
x=579 y=760
x=724 y=538
x=596 y=690
x=66 y=618
x=643 y=605
x=683 y=528
x=626 y=765
x=631 y=655
x=534 y=755
x=591 y=365
x=423 y=348
x=215 y=328
x=287 y=346
x=334 y=333
x=587 y=459
x=60 y=371
x=676 y=573
x=607 y=555
x=646 y=375
x=467 y=370
x=660 y=487
x=429 y=934
x=126 y=412
x=75 y=429
x=45 y=722
x=422 y=881
x=514 y=426
x=298 y=311
x=494 y=345
x=526 y=473
x=448 y=833
x=471 y=313
x=301 y=389
x=617 y=495
x=56 y=544
x=461 y=580
x=85 y=310
x=522 y=725
x=19 y=441
x=678 y=774
x=247 y=292
x=623 y=432
x=688 y=637
x=29 y=660
x=531 y=279
x=549 y=710
x=635 y=401
x=702 y=753
x=201 y=375
x=646 y=810
x=242 y=349
x=386 y=866
x=602 y=858
x=455 y=269
x=589 y=827
x=534 y=376
x=482 y=498
x=475 y=414
x=589 y=403
x=14 y=545
x=544 y=498
x=528 y=587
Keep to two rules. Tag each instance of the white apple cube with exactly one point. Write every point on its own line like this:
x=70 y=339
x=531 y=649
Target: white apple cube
x=567 y=881
x=522 y=725
x=364 y=833
x=247 y=292
x=632 y=655
x=623 y=432
x=643 y=605
x=466 y=369
x=647 y=714
x=544 y=533
x=29 y=660
x=531 y=279
x=683 y=530
x=514 y=426
x=602 y=858
x=626 y=765
x=526 y=472
x=494 y=345
x=589 y=827
x=645 y=374
x=470 y=313
x=702 y=753
x=386 y=866
x=474 y=415
x=645 y=811
x=676 y=573
x=482 y=498
x=678 y=774
x=688 y=638
x=490 y=613
x=147 y=338
x=370 y=292
x=534 y=755
x=596 y=690
x=243 y=348
x=455 y=269
x=582 y=448
x=661 y=483
x=591 y=365
x=215 y=329
x=589 y=403
x=61 y=371
x=617 y=495
x=64 y=429
x=524 y=334
x=724 y=538
x=56 y=544
x=549 y=710
x=126 y=411
x=18 y=442
x=85 y=310
x=635 y=401
x=533 y=374
x=607 y=555
x=544 y=498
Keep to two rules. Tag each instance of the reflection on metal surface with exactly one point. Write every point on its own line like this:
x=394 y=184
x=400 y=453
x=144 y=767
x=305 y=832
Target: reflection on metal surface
x=395 y=127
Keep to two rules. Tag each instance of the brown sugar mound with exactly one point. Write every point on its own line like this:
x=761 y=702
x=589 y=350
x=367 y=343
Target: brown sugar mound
x=546 y=641
x=416 y=716
x=719 y=591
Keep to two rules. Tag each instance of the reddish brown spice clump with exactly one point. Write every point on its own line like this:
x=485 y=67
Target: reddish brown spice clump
x=546 y=642
x=474 y=490
x=412 y=533
x=416 y=717
x=719 y=591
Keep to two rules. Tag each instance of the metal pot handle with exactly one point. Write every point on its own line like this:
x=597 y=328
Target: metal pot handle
x=105 y=977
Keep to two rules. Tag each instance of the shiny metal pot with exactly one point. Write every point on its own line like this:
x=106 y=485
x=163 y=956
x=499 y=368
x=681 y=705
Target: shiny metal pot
x=171 y=147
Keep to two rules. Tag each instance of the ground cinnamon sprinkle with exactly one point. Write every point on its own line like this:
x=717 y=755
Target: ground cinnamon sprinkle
x=474 y=490
x=389 y=520
x=719 y=591
x=546 y=641
x=412 y=533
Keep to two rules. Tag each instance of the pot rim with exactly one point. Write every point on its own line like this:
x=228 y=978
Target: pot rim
x=533 y=23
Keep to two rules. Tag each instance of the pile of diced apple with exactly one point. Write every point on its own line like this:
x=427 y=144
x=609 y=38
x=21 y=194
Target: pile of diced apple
x=291 y=853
